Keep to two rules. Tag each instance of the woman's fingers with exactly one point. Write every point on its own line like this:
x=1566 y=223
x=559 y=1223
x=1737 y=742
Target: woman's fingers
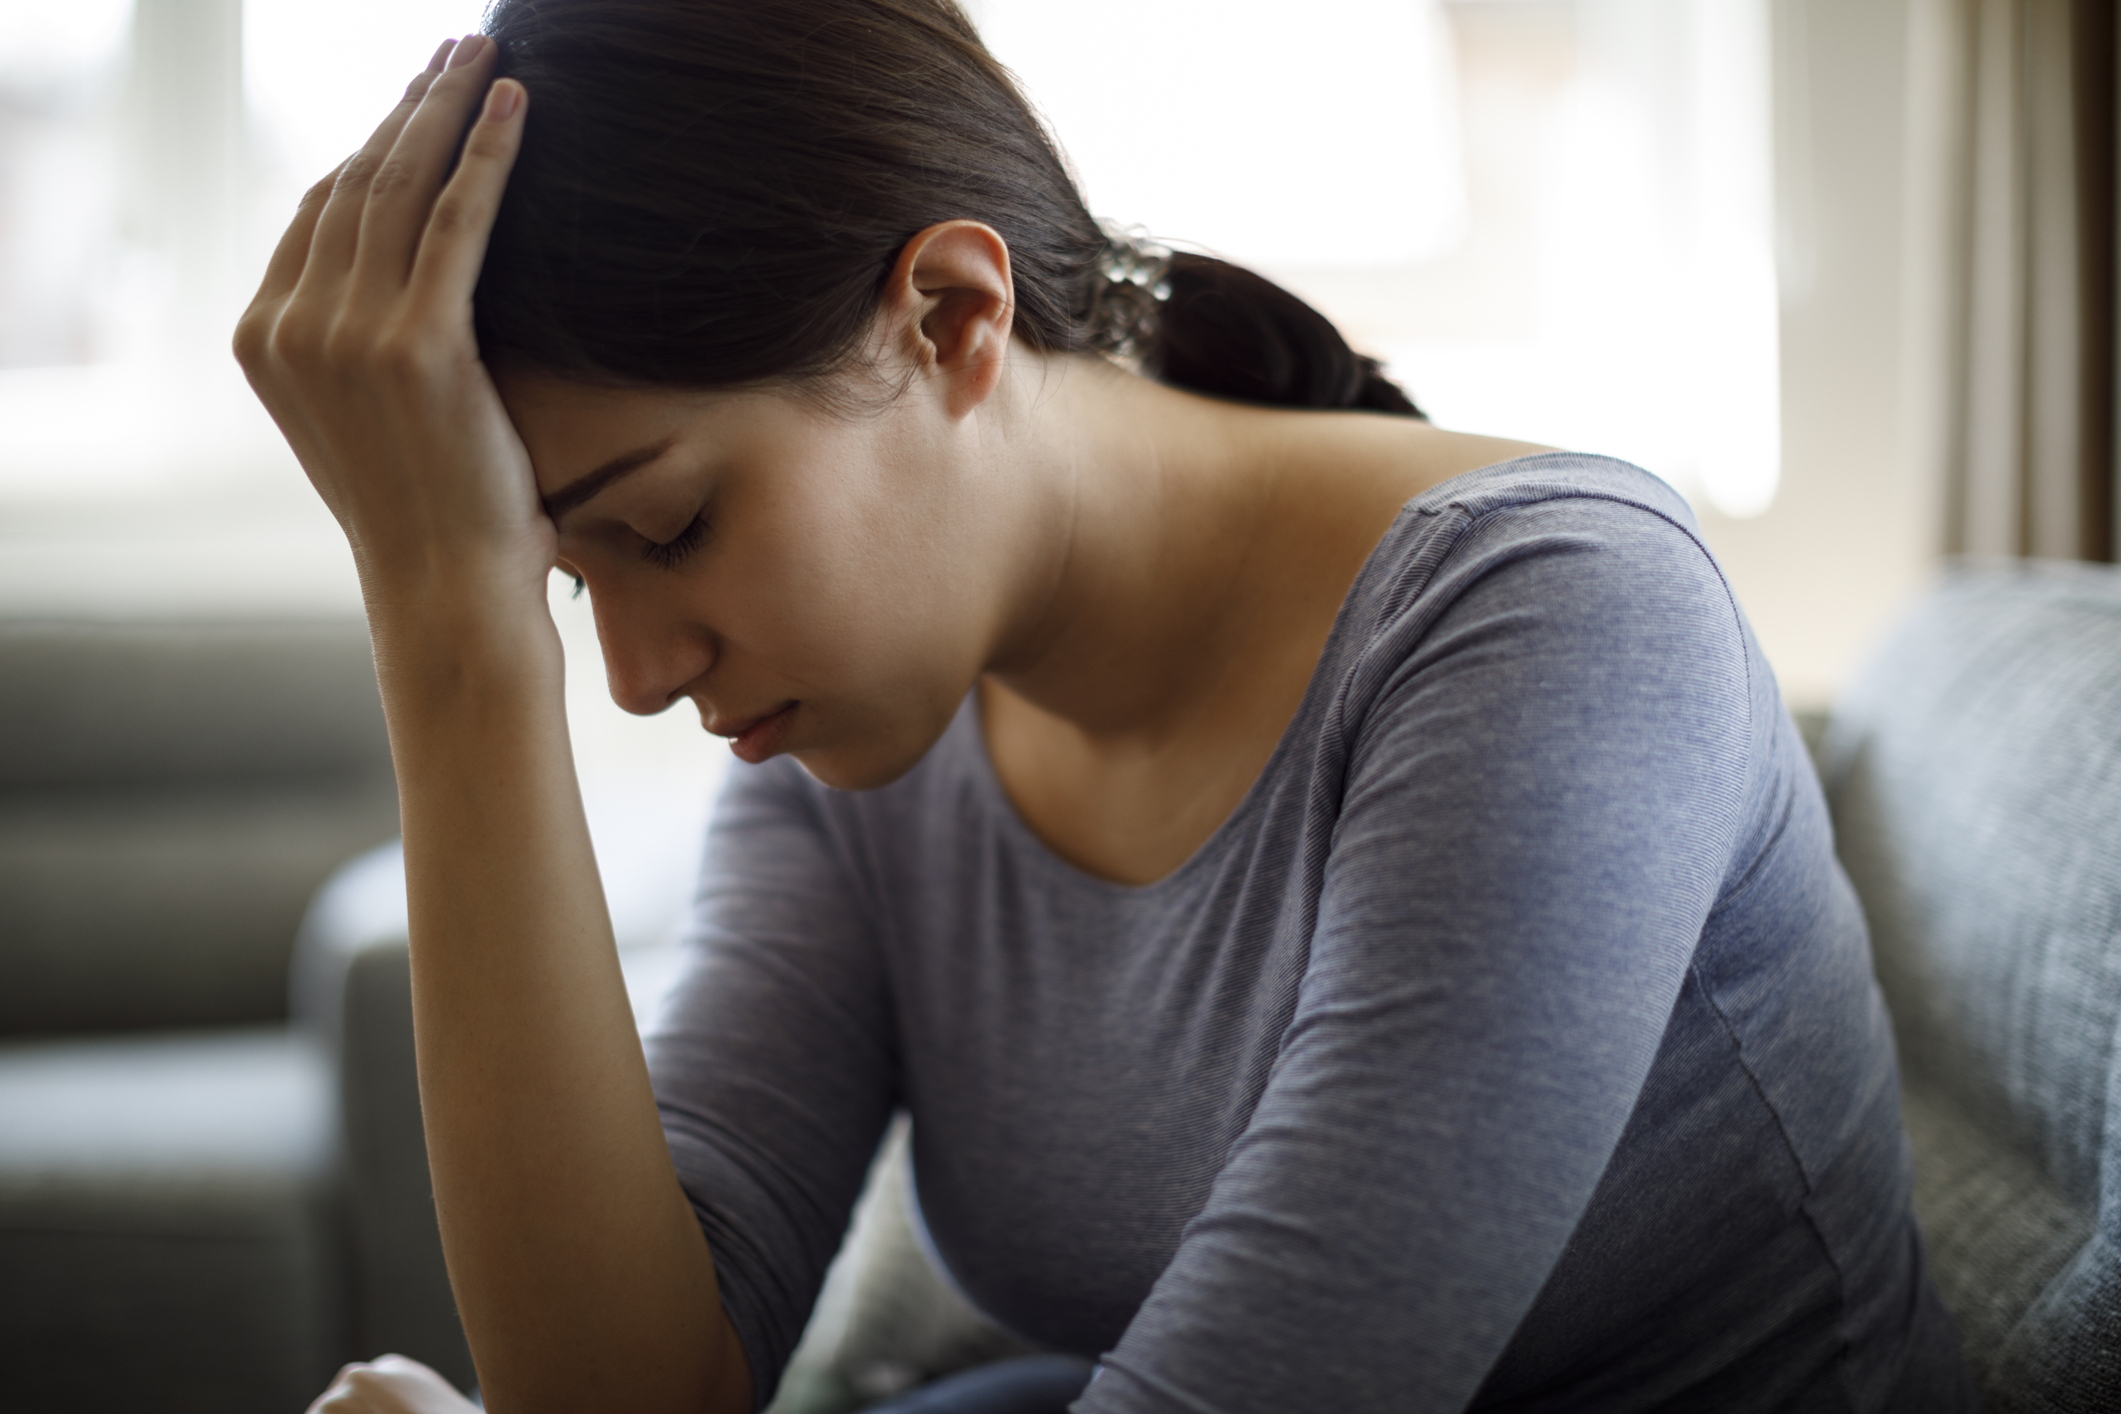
x=331 y=248
x=292 y=252
x=453 y=246
x=288 y=256
x=403 y=189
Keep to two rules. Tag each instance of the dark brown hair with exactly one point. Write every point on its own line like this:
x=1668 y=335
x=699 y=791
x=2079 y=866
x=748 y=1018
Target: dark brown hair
x=712 y=192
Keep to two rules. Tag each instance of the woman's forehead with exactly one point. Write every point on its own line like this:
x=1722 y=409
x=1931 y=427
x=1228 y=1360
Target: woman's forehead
x=577 y=431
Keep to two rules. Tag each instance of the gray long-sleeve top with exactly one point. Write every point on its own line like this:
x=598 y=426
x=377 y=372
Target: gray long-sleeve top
x=1513 y=1044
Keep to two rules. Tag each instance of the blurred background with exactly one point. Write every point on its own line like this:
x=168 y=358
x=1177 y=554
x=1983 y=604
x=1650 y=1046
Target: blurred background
x=1841 y=271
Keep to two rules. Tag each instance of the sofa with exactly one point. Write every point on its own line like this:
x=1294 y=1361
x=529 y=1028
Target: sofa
x=213 y=1187
x=172 y=1218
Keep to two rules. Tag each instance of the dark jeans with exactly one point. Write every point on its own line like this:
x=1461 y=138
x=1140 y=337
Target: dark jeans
x=1029 y=1384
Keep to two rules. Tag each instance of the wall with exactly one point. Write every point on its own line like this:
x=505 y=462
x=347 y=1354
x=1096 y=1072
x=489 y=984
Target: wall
x=1863 y=89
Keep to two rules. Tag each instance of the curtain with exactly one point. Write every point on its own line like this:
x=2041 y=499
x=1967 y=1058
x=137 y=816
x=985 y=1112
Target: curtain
x=2032 y=466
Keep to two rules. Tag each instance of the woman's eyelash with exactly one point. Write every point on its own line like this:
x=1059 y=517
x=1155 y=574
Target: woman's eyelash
x=671 y=551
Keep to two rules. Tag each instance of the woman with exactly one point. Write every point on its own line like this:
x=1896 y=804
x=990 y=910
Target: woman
x=1342 y=901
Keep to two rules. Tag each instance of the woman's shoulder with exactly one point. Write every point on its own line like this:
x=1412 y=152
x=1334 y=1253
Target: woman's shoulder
x=1544 y=558
x=1552 y=522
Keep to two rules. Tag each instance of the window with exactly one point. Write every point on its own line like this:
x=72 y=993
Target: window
x=142 y=185
x=59 y=69
x=1553 y=217
x=318 y=78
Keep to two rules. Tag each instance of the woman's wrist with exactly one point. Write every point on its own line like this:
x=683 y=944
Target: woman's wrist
x=440 y=645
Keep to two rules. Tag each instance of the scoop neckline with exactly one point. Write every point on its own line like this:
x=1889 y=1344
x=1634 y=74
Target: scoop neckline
x=997 y=801
x=1216 y=844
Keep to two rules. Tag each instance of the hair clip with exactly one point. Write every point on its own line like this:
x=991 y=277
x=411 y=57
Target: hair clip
x=1136 y=281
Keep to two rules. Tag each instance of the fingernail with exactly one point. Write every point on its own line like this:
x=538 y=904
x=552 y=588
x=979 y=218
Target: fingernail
x=468 y=49
x=501 y=100
x=434 y=65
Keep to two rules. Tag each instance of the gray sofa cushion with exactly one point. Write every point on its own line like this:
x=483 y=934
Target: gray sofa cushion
x=888 y=1318
x=144 y=705
x=170 y=796
x=172 y=1218
x=169 y=1237
x=163 y=909
x=1975 y=773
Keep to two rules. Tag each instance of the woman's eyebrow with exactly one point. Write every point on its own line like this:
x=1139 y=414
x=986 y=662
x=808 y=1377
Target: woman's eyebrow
x=565 y=499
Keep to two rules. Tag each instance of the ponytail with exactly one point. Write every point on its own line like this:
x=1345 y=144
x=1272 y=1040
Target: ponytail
x=1230 y=333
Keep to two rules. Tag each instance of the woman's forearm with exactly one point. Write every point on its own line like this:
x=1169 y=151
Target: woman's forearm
x=580 y=1271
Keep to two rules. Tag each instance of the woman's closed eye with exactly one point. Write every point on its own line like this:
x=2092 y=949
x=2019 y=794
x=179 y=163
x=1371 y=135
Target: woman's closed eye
x=669 y=553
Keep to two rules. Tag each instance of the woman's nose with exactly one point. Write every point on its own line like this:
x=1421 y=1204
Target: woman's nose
x=647 y=668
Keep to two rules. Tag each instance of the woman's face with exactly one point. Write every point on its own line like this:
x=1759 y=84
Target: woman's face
x=817 y=583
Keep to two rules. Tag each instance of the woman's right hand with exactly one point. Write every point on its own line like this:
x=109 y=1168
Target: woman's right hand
x=360 y=344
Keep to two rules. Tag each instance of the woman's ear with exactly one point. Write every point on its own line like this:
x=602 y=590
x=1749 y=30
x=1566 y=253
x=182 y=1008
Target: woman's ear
x=948 y=307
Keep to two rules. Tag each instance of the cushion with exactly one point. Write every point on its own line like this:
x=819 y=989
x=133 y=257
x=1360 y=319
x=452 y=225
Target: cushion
x=887 y=1319
x=170 y=1236
x=157 y=704
x=170 y=796
x=1975 y=774
x=166 y=908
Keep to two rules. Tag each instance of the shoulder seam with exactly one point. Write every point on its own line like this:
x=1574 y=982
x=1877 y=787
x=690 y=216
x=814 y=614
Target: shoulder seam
x=1730 y=595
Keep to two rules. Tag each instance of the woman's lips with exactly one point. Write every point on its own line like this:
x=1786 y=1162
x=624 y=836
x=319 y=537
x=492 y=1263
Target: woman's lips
x=761 y=737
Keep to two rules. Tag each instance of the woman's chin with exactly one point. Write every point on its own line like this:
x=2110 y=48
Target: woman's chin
x=852 y=768
x=868 y=759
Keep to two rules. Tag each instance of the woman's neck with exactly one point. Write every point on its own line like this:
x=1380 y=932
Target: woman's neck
x=1156 y=501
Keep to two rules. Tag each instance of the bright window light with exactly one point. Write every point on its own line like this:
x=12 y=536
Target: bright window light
x=320 y=77
x=39 y=39
x=92 y=252
x=1644 y=241
x=61 y=67
x=1554 y=217
x=1317 y=134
